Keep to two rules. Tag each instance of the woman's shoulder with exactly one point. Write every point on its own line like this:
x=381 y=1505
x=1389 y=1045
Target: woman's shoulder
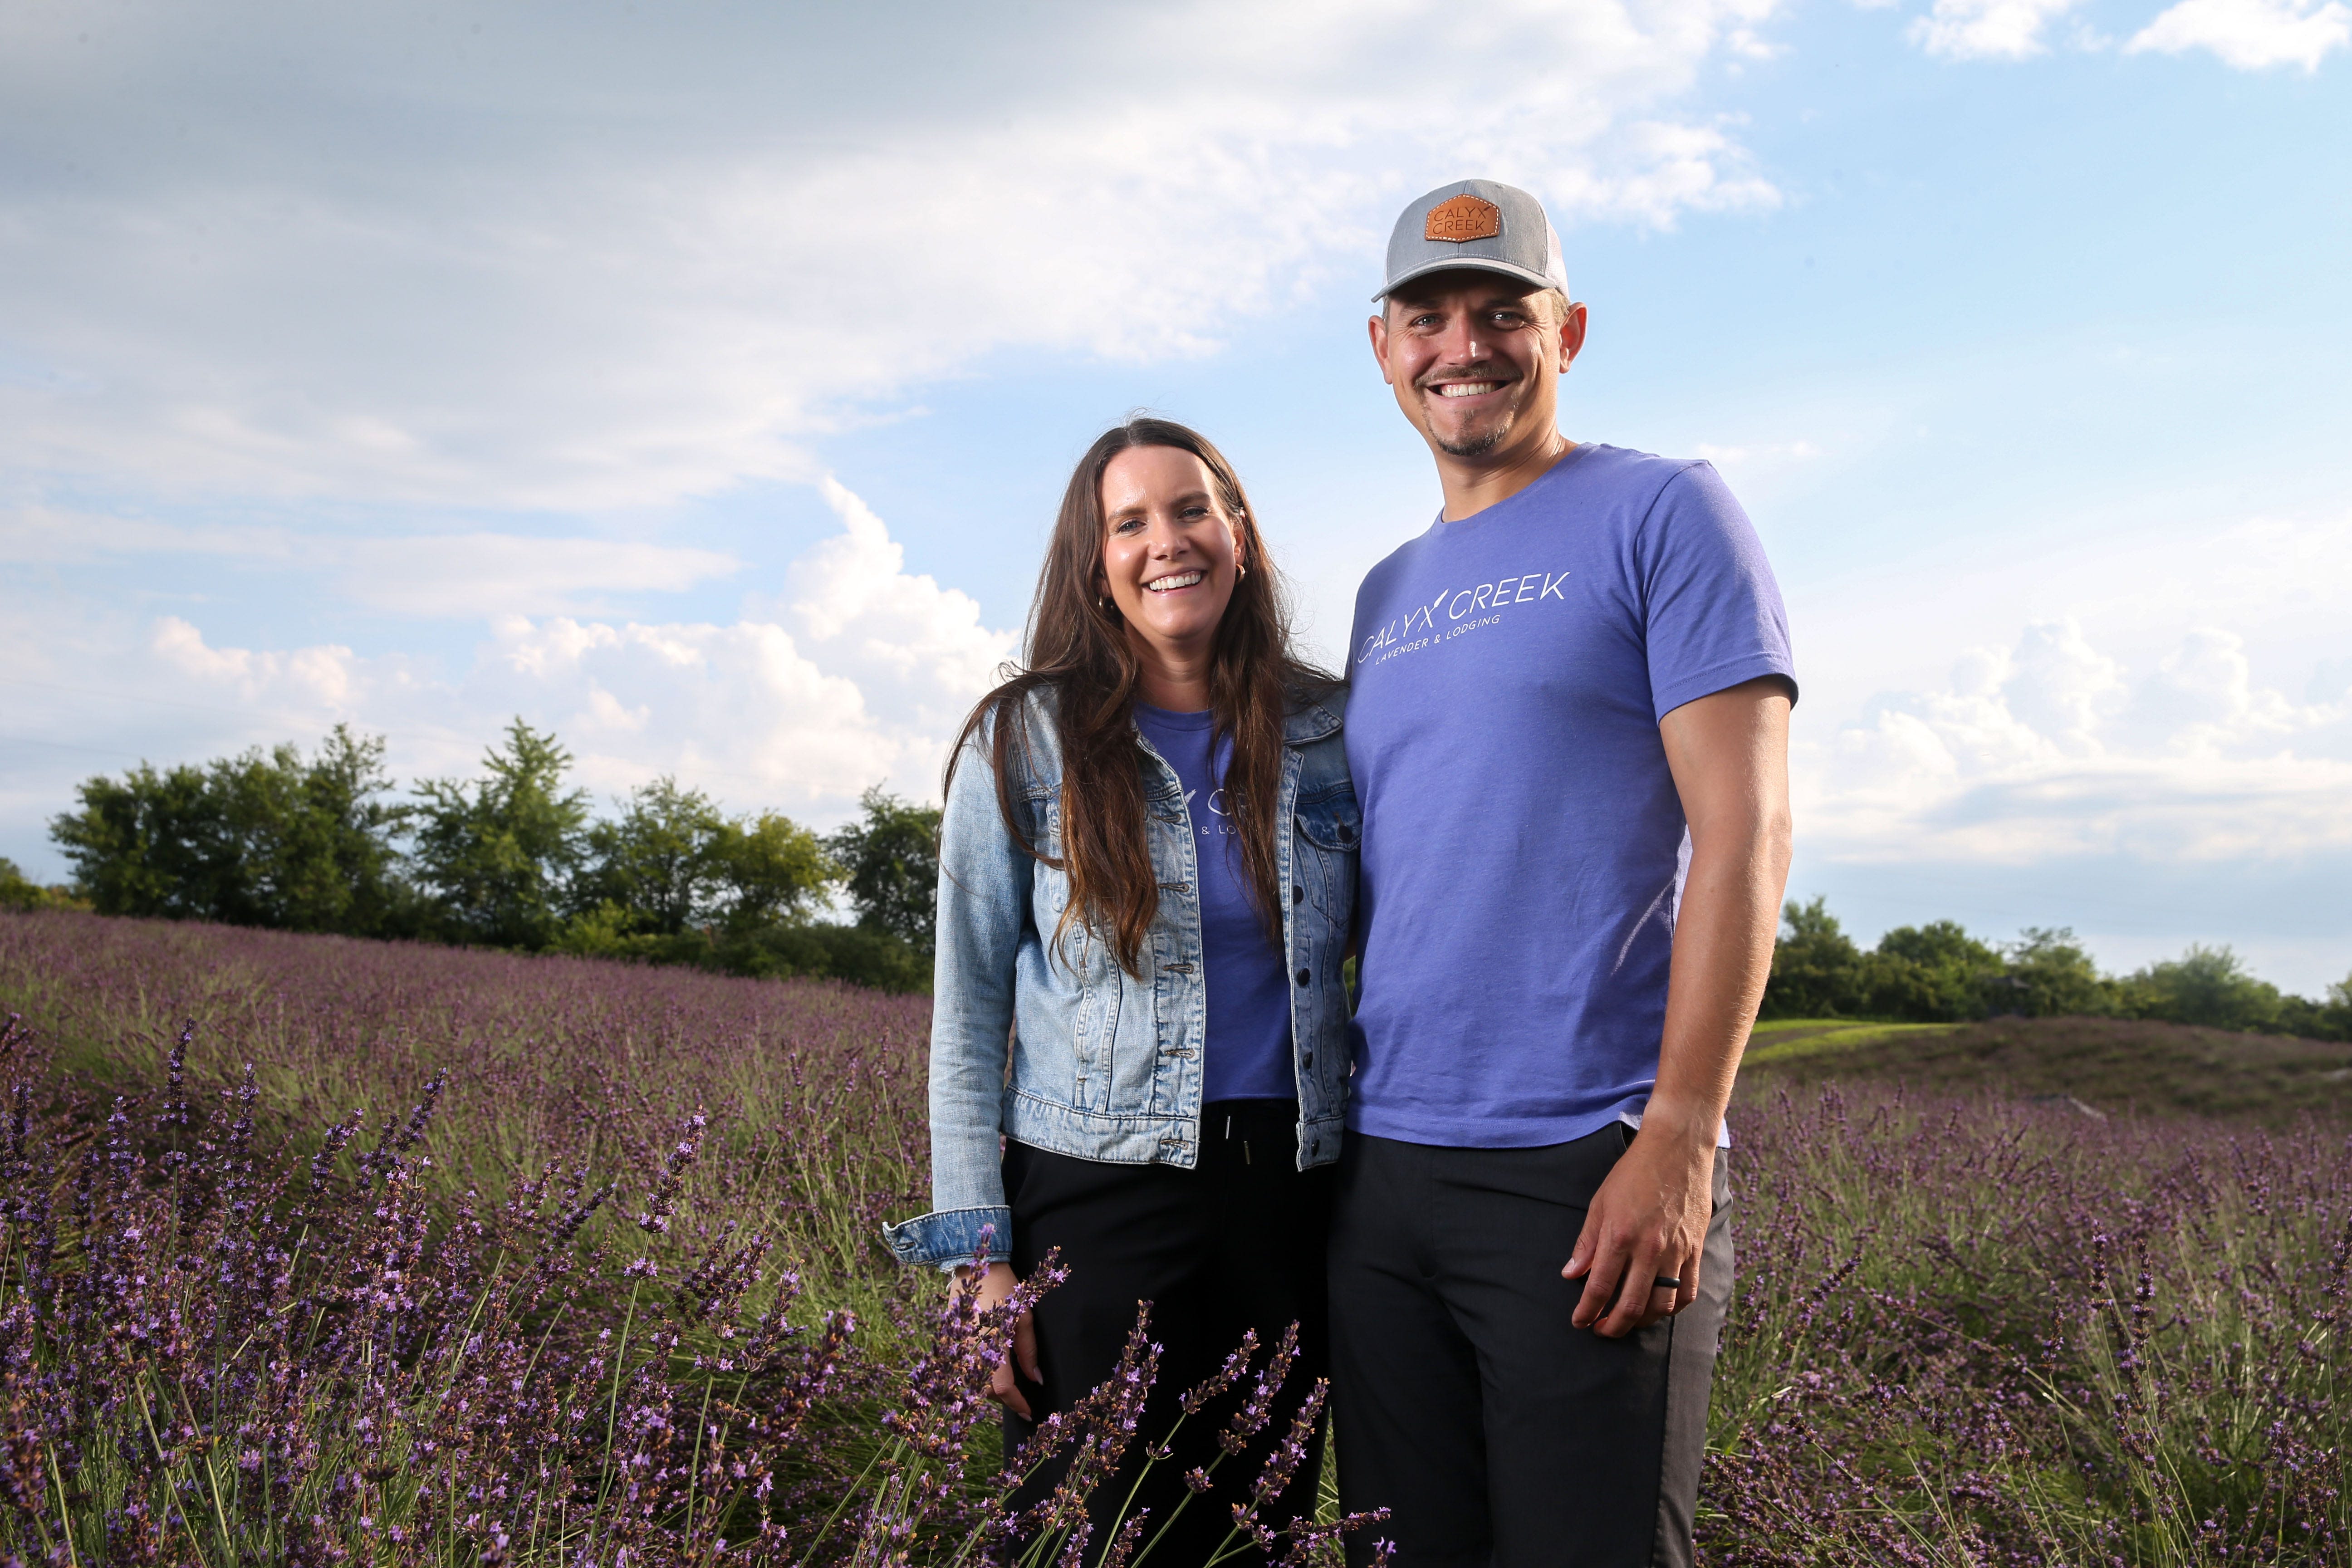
x=1027 y=711
x=1316 y=708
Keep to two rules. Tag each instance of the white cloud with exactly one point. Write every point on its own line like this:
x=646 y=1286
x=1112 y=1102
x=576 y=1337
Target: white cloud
x=916 y=649
x=2251 y=34
x=568 y=258
x=1987 y=29
x=473 y=576
x=320 y=677
x=477 y=576
x=2050 y=748
x=858 y=673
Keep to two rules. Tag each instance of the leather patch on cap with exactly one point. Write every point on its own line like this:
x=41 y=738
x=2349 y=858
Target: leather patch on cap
x=1464 y=219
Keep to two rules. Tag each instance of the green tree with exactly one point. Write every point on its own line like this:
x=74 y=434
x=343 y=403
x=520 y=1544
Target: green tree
x=655 y=860
x=1816 y=968
x=154 y=844
x=264 y=838
x=890 y=862
x=2208 y=985
x=672 y=862
x=498 y=853
x=2335 y=1018
x=1932 y=973
x=317 y=836
x=2313 y=1020
x=2048 y=974
x=769 y=868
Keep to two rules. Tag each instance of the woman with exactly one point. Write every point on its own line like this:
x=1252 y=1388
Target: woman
x=1148 y=867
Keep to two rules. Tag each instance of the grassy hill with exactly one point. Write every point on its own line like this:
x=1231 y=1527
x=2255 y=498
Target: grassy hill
x=2108 y=1064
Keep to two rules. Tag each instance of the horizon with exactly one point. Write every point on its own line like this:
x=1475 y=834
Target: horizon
x=701 y=390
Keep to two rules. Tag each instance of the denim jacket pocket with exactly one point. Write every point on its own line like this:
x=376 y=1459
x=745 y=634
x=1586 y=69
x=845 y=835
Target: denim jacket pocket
x=1332 y=828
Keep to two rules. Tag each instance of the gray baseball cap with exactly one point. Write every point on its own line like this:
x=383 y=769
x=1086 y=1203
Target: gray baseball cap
x=1478 y=224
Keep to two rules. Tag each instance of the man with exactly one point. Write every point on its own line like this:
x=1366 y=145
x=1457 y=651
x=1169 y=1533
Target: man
x=1568 y=724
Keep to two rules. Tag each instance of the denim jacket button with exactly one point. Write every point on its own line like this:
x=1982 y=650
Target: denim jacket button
x=1303 y=977
x=1309 y=1061
x=1298 y=894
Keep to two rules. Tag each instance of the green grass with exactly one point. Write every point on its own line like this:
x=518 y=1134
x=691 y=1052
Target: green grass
x=1780 y=1041
x=2112 y=1065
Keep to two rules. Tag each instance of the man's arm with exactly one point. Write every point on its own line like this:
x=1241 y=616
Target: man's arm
x=1730 y=756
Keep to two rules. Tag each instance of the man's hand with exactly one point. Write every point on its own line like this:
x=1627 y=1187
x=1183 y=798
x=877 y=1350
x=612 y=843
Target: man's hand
x=1730 y=756
x=1648 y=1222
x=994 y=1288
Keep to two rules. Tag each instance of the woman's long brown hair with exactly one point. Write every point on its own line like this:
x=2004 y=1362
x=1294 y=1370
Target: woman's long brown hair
x=1079 y=647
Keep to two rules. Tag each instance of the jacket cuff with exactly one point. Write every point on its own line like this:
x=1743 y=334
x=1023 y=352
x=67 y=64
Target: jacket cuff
x=950 y=1238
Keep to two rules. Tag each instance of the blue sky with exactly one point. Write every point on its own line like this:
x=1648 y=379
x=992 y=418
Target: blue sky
x=700 y=385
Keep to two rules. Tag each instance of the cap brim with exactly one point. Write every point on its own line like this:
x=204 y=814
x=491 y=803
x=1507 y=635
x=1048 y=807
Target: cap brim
x=1468 y=264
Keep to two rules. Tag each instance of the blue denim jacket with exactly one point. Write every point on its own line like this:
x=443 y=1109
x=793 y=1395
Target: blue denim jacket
x=1106 y=1066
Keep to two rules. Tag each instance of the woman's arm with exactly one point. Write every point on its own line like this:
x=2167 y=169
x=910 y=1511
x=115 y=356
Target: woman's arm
x=984 y=908
x=984 y=883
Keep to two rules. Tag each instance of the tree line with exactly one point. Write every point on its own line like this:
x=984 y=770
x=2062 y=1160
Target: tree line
x=512 y=858
x=1939 y=973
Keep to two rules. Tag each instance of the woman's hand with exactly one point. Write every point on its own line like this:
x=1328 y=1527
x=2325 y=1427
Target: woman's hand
x=994 y=1288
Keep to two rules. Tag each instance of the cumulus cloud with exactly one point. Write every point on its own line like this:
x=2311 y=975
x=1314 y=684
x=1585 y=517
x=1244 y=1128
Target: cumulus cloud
x=2049 y=748
x=2251 y=34
x=856 y=673
x=1988 y=29
x=585 y=258
x=320 y=677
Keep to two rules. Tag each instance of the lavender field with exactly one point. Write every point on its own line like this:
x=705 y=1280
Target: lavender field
x=501 y=1259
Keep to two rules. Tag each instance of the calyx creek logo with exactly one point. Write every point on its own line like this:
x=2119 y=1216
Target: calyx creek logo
x=1463 y=609
x=1464 y=218
x=1216 y=803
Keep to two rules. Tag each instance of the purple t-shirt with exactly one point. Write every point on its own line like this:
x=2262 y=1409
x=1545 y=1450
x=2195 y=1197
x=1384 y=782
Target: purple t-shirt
x=1247 y=1045
x=1524 y=845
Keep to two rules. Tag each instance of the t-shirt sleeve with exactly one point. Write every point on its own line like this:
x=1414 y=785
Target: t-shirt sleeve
x=1712 y=613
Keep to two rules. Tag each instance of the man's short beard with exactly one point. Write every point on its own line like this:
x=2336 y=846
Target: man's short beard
x=1478 y=447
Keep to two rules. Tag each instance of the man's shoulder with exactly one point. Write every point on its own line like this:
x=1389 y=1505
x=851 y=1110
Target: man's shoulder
x=1627 y=470
x=1396 y=561
x=1640 y=497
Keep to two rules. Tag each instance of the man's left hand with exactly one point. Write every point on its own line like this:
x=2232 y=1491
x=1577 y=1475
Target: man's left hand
x=1648 y=1223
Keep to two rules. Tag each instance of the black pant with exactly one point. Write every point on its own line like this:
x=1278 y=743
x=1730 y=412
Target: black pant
x=1464 y=1400
x=1234 y=1244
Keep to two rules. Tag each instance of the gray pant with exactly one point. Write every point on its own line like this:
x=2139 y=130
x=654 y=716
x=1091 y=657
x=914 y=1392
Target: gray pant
x=1463 y=1399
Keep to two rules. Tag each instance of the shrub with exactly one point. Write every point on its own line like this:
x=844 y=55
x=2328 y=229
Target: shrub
x=18 y=891
x=2208 y=985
